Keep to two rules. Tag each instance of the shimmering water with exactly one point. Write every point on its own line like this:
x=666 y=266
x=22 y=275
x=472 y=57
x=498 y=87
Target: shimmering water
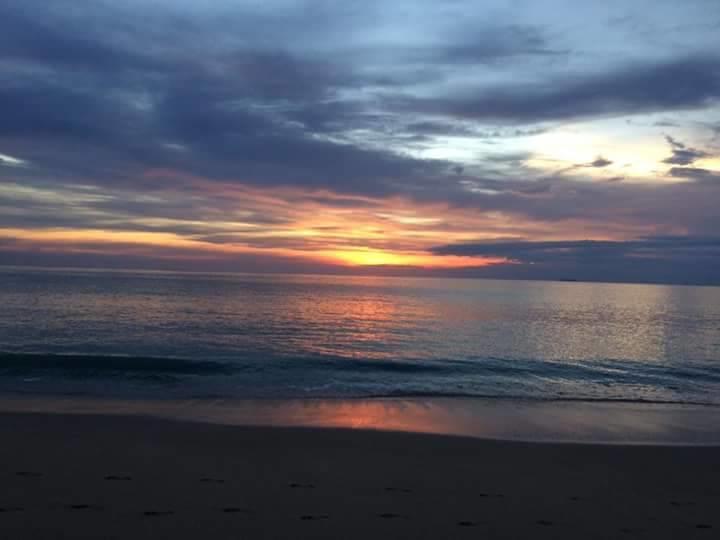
x=133 y=334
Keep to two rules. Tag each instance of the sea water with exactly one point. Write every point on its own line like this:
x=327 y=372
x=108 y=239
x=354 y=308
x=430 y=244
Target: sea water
x=233 y=336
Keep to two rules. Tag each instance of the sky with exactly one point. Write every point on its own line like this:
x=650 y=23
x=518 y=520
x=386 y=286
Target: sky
x=503 y=139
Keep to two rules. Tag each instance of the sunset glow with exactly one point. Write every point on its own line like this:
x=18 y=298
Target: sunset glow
x=427 y=140
x=352 y=219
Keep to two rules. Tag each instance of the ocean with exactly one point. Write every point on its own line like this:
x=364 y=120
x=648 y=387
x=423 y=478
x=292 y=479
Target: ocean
x=156 y=335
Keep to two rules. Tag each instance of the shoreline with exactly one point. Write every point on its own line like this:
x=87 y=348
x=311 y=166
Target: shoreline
x=593 y=422
x=101 y=476
x=13 y=268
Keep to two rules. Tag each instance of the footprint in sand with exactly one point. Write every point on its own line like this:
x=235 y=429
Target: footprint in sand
x=398 y=490
x=235 y=510
x=682 y=503
x=83 y=507
x=118 y=477
x=310 y=517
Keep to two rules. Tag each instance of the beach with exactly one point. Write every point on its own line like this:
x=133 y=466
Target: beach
x=150 y=405
x=114 y=476
x=295 y=269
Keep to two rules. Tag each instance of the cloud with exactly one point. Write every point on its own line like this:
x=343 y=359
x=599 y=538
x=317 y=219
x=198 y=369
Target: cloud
x=600 y=162
x=685 y=259
x=695 y=173
x=677 y=84
x=225 y=127
x=469 y=130
x=90 y=96
x=43 y=34
x=101 y=255
x=533 y=252
x=11 y=161
x=681 y=154
x=490 y=44
x=202 y=119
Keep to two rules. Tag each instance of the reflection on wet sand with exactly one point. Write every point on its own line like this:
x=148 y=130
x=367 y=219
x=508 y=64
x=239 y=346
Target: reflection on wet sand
x=589 y=422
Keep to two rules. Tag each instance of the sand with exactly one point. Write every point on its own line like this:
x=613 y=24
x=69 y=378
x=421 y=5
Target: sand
x=94 y=476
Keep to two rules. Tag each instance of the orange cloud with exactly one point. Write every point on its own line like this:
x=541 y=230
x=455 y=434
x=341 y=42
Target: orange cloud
x=229 y=219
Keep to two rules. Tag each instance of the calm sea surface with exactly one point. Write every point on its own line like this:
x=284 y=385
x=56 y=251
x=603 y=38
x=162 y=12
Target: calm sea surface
x=131 y=334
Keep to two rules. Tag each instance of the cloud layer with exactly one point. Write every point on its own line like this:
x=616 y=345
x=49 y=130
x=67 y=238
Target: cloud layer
x=274 y=135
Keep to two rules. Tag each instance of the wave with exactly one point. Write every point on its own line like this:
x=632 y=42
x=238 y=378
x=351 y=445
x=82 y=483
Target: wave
x=90 y=364
x=365 y=365
x=100 y=364
x=601 y=371
x=411 y=394
x=326 y=376
x=616 y=370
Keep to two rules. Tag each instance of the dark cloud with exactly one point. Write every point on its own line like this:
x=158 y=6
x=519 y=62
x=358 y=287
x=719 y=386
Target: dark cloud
x=685 y=259
x=534 y=252
x=558 y=200
x=255 y=114
x=40 y=109
x=46 y=34
x=155 y=108
x=156 y=258
x=600 y=162
x=665 y=123
x=695 y=173
x=432 y=127
x=674 y=143
x=226 y=131
x=691 y=82
x=458 y=129
x=490 y=45
x=681 y=154
x=265 y=116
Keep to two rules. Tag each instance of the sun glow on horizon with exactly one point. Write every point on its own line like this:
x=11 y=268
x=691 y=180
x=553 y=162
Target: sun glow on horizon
x=369 y=257
x=308 y=231
x=98 y=241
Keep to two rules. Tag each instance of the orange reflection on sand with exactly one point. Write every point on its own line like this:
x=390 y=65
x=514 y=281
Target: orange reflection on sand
x=389 y=415
x=493 y=419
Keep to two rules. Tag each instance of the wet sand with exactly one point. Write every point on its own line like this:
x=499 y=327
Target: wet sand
x=521 y=420
x=93 y=476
